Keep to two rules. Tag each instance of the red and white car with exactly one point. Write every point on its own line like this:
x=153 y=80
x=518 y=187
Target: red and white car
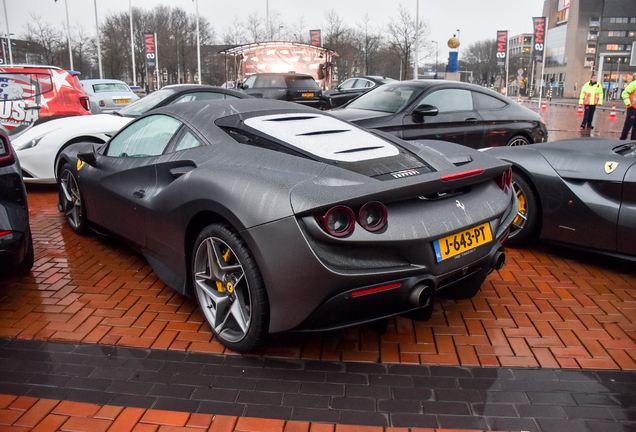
x=31 y=94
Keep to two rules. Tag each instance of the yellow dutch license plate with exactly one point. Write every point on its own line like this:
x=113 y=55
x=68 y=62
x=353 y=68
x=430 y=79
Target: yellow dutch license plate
x=122 y=100
x=308 y=95
x=461 y=242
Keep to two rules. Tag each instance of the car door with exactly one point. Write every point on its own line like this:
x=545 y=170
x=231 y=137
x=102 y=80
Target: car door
x=343 y=93
x=117 y=187
x=498 y=129
x=456 y=121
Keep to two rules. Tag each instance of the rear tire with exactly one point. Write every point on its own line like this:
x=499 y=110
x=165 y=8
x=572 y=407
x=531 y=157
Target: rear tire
x=518 y=141
x=26 y=264
x=524 y=225
x=229 y=288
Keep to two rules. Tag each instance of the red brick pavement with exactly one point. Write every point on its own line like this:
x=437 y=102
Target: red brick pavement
x=22 y=414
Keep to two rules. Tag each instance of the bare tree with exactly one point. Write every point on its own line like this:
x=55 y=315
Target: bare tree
x=402 y=34
x=48 y=37
x=368 y=41
x=481 y=58
x=255 y=28
x=235 y=34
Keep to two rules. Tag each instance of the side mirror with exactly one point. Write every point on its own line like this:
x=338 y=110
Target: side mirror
x=425 y=110
x=88 y=157
x=242 y=86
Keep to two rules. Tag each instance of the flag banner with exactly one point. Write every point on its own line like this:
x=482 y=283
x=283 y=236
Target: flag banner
x=315 y=37
x=502 y=47
x=538 y=23
x=151 y=55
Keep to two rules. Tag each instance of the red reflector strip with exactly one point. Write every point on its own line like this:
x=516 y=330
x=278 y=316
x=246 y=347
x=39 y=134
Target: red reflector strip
x=374 y=290
x=2 y=233
x=462 y=174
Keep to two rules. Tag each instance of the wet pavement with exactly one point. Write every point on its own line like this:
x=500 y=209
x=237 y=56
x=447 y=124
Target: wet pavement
x=93 y=340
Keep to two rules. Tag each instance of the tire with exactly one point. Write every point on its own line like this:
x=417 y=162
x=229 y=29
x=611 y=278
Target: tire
x=518 y=141
x=26 y=264
x=464 y=290
x=324 y=104
x=71 y=201
x=232 y=296
x=524 y=225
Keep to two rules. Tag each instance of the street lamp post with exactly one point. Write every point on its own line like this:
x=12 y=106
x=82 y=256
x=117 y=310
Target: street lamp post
x=417 y=36
x=436 y=56
x=6 y=20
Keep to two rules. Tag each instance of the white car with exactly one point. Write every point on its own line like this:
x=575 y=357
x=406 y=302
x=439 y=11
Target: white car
x=39 y=147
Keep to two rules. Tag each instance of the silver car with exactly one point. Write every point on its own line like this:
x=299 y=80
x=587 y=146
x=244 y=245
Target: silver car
x=108 y=95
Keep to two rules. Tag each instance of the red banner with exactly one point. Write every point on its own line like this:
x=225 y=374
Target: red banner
x=151 y=55
x=315 y=37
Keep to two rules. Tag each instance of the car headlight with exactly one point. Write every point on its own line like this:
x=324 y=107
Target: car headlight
x=30 y=144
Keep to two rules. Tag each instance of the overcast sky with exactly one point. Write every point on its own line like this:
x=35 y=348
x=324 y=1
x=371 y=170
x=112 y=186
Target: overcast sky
x=476 y=19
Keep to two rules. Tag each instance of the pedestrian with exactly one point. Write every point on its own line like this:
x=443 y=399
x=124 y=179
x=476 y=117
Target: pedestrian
x=591 y=95
x=629 y=97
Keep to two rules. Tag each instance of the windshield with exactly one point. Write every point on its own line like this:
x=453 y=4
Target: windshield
x=387 y=98
x=141 y=106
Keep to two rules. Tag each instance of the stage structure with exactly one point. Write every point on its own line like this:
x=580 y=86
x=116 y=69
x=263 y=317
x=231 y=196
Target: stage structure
x=280 y=57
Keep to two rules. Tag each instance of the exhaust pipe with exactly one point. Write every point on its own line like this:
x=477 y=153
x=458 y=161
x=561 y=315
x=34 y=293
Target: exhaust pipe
x=420 y=295
x=499 y=260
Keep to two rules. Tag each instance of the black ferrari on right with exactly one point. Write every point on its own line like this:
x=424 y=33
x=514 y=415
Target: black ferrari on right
x=579 y=192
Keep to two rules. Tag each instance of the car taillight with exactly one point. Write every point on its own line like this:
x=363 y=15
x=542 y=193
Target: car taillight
x=4 y=233
x=338 y=221
x=85 y=102
x=504 y=180
x=372 y=216
x=462 y=174
x=6 y=153
x=102 y=104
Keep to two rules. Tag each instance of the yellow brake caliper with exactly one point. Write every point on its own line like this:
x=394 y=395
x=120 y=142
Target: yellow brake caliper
x=219 y=284
x=522 y=208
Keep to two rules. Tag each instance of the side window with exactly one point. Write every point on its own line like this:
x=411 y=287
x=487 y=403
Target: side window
x=249 y=82
x=187 y=141
x=200 y=96
x=449 y=100
x=347 y=84
x=16 y=86
x=486 y=102
x=362 y=83
x=146 y=137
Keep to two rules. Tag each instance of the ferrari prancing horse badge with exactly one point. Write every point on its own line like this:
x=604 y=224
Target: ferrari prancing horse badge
x=610 y=167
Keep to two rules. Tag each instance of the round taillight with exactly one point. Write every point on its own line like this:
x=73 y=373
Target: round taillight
x=339 y=221
x=102 y=103
x=372 y=216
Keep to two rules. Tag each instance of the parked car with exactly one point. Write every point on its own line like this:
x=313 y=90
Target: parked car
x=32 y=94
x=138 y=90
x=108 y=95
x=577 y=192
x=279 y=217
x=16 y=244
x=351 y=89
x=40 y=146
x=448 y=110
x=293 y=87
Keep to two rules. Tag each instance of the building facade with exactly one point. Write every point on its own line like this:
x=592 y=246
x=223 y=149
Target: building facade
x=520 y=64
x=585 y=38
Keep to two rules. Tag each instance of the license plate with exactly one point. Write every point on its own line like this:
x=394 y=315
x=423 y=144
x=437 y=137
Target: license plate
x=122 y=100
x=308 y=95
x=461 y=242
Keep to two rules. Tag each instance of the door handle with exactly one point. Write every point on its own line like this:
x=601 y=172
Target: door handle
x=139 y=193
x=179 y=171
x=471 y=120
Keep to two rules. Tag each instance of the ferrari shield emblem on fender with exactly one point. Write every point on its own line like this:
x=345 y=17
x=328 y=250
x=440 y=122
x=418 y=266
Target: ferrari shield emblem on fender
x=610 y=167
x=80 y=164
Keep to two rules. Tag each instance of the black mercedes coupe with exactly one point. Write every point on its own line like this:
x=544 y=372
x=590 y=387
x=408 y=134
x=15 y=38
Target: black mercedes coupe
x=279 y=217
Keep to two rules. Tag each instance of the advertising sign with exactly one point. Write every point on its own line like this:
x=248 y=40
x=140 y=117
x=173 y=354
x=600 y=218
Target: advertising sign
x=315 y=37
x=2 y=60
x=149 y=40
x=502 y=47
x=538 y=23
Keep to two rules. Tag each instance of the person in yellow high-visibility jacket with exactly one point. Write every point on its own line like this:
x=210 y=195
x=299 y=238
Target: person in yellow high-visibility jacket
x=629 y=97
x=591 y=95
